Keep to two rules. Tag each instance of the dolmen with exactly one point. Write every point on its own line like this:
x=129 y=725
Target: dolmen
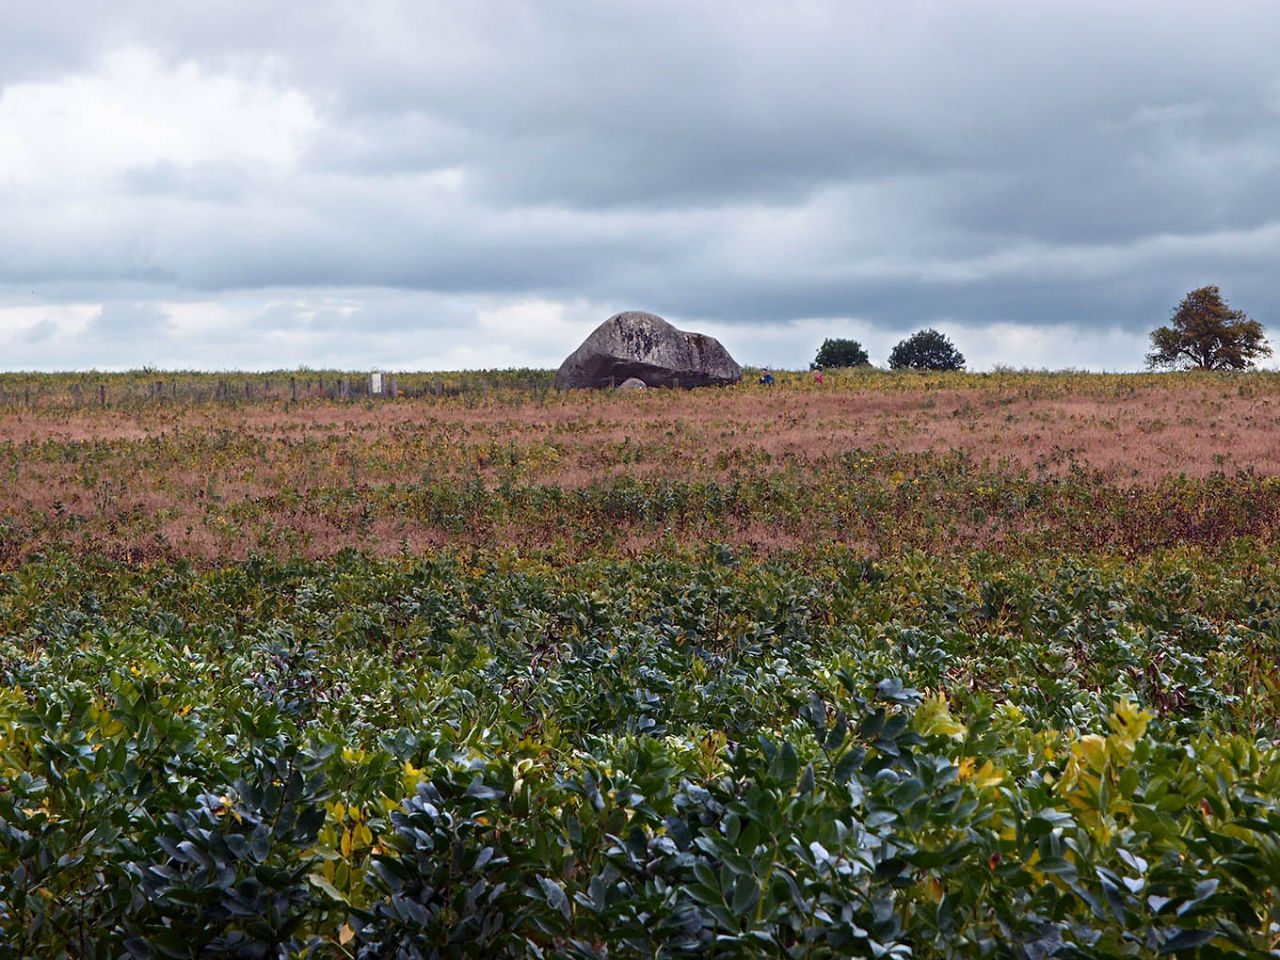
x=642 y=346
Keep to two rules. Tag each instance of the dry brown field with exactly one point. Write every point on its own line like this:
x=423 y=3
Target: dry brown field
x=801 y=462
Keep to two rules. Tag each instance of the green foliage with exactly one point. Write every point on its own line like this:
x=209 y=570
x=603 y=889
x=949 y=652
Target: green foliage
x=926 y=350
x=485 y=755
x=1204 y=333
x=1016 y=709
x=840 y=353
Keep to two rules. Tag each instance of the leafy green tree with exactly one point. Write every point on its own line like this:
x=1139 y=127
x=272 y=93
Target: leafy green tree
x=1206 y=334
x=926 y=350
x=840 y=353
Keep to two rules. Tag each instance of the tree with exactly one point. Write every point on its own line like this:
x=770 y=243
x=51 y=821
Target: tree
x=926 y=350
x=1205 y=334
x=840 y=353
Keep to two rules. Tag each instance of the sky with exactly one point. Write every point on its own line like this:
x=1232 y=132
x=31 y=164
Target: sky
x=416 y=185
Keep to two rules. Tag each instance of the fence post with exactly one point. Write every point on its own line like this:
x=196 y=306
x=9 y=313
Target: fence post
x=102 y=395
x=392 y=387
x=293 y=389
x=75 y=393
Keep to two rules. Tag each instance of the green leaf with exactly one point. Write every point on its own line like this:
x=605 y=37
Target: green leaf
x=706 y=876
x=555 y=896
x=807 y=780
x=1187 y=939
x=787 y=765
x=260 y=843
x=319 y=882
x=849 y=764
x=745 y=894
x=481 y=791
x=838 y=732
x=1059 y=867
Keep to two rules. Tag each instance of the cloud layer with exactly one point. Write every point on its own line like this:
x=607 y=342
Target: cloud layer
x=396 y=183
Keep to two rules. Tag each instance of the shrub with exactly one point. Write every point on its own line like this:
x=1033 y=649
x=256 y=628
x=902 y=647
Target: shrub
x=926 y=350
x=839 y=353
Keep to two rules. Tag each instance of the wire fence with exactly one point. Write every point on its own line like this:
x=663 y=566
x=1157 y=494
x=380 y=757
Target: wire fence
x=38 y=391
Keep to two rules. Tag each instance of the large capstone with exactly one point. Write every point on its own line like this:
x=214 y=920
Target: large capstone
x=646 y=347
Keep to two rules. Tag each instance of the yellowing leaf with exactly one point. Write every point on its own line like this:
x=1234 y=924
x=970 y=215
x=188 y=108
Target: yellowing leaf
x=933 y=718
x=1128 y=723
x=1012 y=714
x=988 y=776
x=1092 y=749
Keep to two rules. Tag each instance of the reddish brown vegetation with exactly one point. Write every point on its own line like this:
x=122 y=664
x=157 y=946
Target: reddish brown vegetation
x=1138 y=434
x=211 y=480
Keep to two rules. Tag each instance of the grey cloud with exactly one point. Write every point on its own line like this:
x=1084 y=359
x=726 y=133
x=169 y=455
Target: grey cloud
x=680 y=104
x=202 y=182
x=366 y=312
x=42 y=42
x=38 y=332
x=905 y=164
x=129 y=320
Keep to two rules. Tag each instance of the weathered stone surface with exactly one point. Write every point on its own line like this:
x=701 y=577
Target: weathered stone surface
x=647 y=348
x=632 y=383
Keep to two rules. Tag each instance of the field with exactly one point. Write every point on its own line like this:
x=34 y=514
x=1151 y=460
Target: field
x=892 y=665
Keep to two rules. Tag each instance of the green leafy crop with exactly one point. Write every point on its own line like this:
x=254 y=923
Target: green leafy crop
x=482 y=755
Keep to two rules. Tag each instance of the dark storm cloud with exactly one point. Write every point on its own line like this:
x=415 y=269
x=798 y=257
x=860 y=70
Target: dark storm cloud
x=992 y=162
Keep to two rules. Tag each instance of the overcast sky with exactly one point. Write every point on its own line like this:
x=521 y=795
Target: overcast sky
x=422 y=185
